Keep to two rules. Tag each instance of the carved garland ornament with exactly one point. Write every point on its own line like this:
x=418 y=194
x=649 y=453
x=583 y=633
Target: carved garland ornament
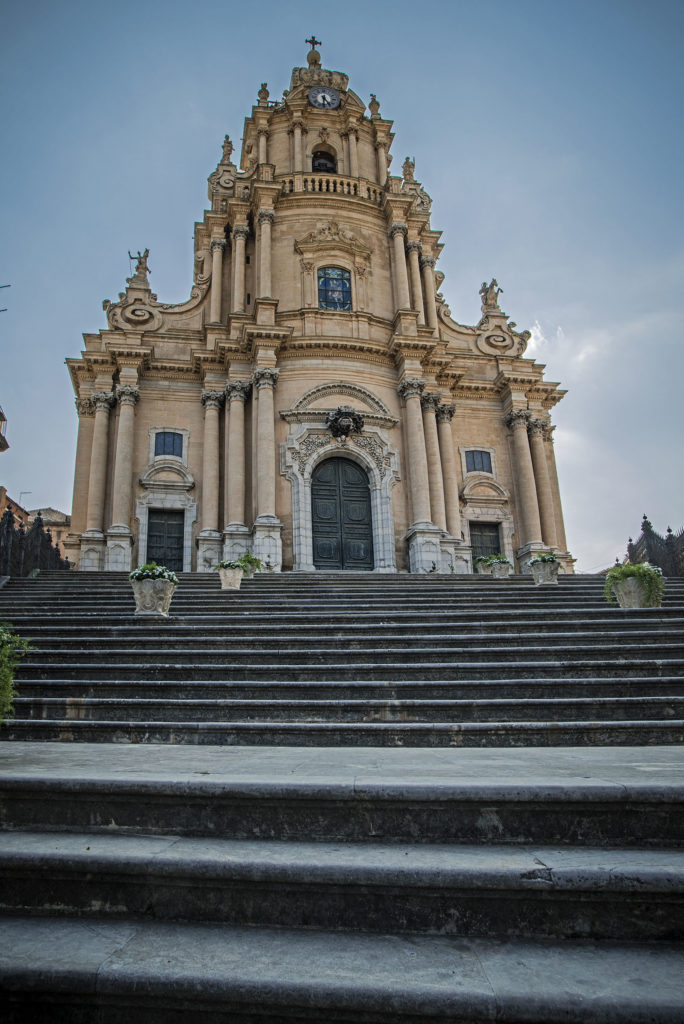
x=344 y=421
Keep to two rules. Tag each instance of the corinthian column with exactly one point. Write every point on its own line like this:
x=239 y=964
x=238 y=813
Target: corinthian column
x=445 y=414
x=428 y=267
x=236 y=395
x=429 y=402
x=123 y=464
x=84 y=445
x=414 y=250
x=266 y=218
x=217 y=248
x=529 y=525
x=98 y=460
x=240 y=234
x=265 y=381
x=536 y=430
x=211 y=400
x=553 y=476
x=411 y=390
x=397 y=233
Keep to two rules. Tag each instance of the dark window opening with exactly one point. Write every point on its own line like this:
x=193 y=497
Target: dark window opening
x=334 y=288
x=247 y=259
x=478 y=462
x=484 y=538
x=166 y=442
x=321 y=161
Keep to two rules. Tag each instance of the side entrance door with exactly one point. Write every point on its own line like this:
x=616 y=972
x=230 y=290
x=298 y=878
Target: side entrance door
x=165 y=537
x=341 y=516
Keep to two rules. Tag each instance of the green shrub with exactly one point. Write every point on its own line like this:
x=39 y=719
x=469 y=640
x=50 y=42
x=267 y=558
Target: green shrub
x=650 y=577
x=12 y=647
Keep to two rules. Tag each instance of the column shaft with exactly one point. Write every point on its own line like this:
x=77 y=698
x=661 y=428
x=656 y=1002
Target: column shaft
x=297 y=147
x=382 y=162
x=236 y=394
x=553 y=476
x=413 y=249
x=84 y=447
x=430 y=402
x=410 y=391
x=263 y=145
x=543 y=483
x=353 y=155
x=217 y=247
x=449 y=470
x=264 y=382
x=529 y=530
x=210 y=462
x=401 y=285
x=123 y=465
x=428 y=266
x=239 y=239
x=266 y=218
x=98 y=461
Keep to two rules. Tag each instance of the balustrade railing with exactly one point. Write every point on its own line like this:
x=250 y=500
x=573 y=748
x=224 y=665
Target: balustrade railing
x=331 y=184
x=666 y=552
x=23 y=551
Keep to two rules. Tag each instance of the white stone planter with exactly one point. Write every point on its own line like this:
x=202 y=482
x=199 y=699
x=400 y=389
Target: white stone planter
x=630 y=593
x=501 y=570
x=544 y=572
x=152 y=597
x=482 y=569
x=230 y=578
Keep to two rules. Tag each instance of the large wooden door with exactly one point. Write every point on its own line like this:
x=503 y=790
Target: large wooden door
x=165 y=537
x=341 y=515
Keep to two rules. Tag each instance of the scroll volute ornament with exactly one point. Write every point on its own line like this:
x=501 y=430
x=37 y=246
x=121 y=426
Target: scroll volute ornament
x=344 y=421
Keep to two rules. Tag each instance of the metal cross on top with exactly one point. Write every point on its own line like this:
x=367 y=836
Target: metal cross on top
x=313 y=41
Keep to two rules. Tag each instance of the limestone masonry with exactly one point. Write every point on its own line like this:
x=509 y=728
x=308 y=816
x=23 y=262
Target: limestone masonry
x=313 y=400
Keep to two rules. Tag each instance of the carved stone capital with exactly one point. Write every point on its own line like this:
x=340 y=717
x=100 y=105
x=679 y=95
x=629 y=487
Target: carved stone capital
x=381 y=144
x=414 y=247
x=263 y=131
x=217 y=243
x=412 y=387
x=445 y=413
x=536 y=428
x=430 y=400
x=103 y=400
x=266 y=215
x=127 y=394
x=518 y=418
x=240 y=231
x=238 y=390
x=212 y=399
x=265 y=378
x=85 y=406
x=427 y=261
x=398 y=228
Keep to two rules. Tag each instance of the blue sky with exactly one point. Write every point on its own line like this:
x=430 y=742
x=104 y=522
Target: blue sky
x=548 y=135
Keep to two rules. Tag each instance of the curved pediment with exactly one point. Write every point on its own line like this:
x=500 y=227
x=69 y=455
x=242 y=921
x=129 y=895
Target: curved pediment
x=321 y=396
x=481 y=485
x=167 y=474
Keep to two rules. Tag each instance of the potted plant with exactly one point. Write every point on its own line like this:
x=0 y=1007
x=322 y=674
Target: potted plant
x=153 y=587
x=482 y=566
x=230 y=573
x=250 y=564
x=639 y=585
x=500 y=566
x=544 y=569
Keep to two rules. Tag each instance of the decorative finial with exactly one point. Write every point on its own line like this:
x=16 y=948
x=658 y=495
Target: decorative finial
x=313 y=56
x=374 y=106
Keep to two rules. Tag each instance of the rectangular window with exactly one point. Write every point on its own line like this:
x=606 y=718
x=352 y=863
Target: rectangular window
x=478 y=462
x=167 y=442
x=334 y=289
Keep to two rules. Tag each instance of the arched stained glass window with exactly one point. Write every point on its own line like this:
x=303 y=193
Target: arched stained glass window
x=334 y=288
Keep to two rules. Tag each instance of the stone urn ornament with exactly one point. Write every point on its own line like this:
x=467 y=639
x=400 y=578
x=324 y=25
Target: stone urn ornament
x=153 y=587
x=544 y=569
x=501 y=568
x=230 y=574
x=638 y=585
x=482 y=567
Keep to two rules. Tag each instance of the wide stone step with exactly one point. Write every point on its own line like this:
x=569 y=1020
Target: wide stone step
x=548 y=709
x=567 y=796
x=327 y=734
x=73 y=970
x=308 y=670
x=547 y=687
x=495 y=891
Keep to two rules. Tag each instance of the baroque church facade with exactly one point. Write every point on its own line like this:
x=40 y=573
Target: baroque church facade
x=313 y=401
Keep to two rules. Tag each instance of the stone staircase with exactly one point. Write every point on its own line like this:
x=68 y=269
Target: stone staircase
x=343 y=798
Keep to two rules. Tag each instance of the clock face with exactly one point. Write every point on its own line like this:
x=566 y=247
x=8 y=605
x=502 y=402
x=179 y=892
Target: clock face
x=324 y=98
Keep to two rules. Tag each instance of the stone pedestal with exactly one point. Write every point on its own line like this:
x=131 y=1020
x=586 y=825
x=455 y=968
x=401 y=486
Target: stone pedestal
x=92 y=551
x=236 y=540
x=118 y=553
x=527 y=552
x=424 y=547
x=456 y=556
x=208 y=550
x=267 y=543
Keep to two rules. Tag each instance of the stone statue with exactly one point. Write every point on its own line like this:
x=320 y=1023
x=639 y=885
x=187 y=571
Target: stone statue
x=408 y=168
x=228 y=148
x=263 y=94
x=141 y=267
x=490 y=295
x=374 y=106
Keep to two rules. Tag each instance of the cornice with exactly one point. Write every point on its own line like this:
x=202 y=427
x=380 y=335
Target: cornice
x=316 y=415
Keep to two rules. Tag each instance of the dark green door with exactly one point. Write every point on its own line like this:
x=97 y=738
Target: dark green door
x=341 y=514
x=484 y=538
x=165 y=537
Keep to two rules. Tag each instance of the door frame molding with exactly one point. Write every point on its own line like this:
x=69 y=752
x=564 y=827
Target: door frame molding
x=166 y=485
